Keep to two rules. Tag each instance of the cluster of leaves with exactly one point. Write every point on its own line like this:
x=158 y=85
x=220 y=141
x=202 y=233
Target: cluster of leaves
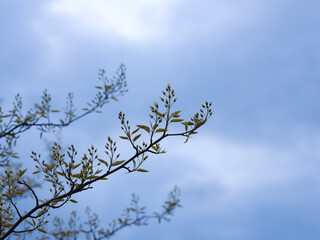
x=67 y=174
x=134 y=215
x=15 y=184
x=15 y=122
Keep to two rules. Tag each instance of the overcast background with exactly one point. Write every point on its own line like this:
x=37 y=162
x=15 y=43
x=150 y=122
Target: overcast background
x=252 y=172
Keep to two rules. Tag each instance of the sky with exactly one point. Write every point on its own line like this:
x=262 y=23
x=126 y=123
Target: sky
x=252 y=172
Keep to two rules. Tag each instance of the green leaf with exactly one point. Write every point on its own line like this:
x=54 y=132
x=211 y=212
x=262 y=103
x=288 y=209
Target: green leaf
x=193 y=133
x=115 y=99
x=161 y=130
x=30 y=223
x=176 y=120
x=103 y=161
x=55 y=111
x=185 y=125
x=49 y=180
x=146 y=128
x=35 y=172
x=136 y=137
x=7 y=225
x=154 y=148
x=135 y=130
x=78 y=175
x=98 y=87
x=142 y=170
x=159 y=114
x=75 y=166
x=19 y=192
x=92 y=177
x=22 y=172
x=123 y=137
x=74 y=201
x=117 y=163
x=42 y=230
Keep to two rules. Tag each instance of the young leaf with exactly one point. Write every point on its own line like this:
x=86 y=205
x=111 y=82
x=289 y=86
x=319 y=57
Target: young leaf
x=22 y=172
x=146 y=128
x=154 y=148
x=7 y=225
x=75 y=166
x=117 y=163
x=42 y=230
x=78 y=175
x=135 y=130
x=136 y=137
x=19 y=192
x=185 y=125
x=4 y=116
x=159 y=114
x=161 y=130
x=103 y=161
x=142 y=170
x=193 y=133
x=176 y=120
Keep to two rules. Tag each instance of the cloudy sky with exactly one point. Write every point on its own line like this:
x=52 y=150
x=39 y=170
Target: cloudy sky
x=253 y=171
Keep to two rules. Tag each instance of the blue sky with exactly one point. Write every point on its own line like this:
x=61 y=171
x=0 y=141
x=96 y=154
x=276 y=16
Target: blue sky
x=253 y=170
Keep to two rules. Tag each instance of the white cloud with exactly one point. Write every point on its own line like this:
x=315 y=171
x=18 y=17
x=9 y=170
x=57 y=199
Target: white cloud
x=134 y=20
x=53 y=45
x=144 y=20
x=239 y=168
